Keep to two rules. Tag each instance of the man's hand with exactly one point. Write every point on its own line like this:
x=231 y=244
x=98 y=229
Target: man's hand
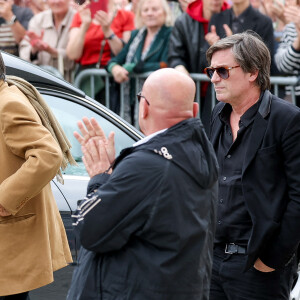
x=182 y=69
x=260 y=266
x=91 y=130
x=227 y=29
x=4 y=212
x=95 y=158
x=212 y=37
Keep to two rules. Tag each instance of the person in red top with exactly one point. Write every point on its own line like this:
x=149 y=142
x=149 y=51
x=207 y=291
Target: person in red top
x=92 y=41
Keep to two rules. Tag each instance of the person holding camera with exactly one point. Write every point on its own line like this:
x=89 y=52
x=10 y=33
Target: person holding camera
x=94 y=39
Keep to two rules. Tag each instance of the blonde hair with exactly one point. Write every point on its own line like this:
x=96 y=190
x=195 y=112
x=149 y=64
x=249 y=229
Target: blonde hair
x=138 y=18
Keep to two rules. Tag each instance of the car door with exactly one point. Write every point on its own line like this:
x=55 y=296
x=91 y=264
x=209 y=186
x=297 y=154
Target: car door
x=69 y=109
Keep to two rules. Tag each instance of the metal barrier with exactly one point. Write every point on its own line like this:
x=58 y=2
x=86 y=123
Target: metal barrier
x=198 y=78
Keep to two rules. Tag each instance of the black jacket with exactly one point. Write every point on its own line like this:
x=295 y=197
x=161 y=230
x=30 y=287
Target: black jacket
x=153 y=220
x=271 y=180
x=254 y=20
x=187 y=45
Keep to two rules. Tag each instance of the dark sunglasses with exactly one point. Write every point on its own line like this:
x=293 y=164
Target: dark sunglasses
x=223 y=72
x=139 y=96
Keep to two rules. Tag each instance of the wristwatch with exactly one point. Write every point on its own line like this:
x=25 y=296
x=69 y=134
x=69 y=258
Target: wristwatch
x=12 y=21
x=110 y=37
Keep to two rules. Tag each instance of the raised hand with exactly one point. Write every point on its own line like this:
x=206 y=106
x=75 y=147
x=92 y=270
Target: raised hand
x=105 y=20
x=91 y=130
x=227 y=29
x=85 y=13
x=212 y=37
x=95 y=157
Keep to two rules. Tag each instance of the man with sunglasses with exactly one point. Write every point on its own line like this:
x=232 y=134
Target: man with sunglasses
x=151 y=217
x=256 y=139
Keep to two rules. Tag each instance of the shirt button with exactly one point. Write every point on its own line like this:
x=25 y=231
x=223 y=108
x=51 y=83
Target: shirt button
x=228 y=156
x=221 y=201
x=224 y=178
x=219 y=222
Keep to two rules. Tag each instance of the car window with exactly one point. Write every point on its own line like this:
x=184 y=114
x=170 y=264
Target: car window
x=67 y=114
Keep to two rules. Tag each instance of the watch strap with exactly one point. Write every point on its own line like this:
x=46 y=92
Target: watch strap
x=12 y=21
x=110 y=37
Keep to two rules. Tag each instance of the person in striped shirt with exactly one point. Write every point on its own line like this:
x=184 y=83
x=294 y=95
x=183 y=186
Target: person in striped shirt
x=13 y=25
x=287 y=57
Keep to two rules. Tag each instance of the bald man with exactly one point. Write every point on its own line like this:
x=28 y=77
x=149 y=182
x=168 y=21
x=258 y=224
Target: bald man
x=149 y=219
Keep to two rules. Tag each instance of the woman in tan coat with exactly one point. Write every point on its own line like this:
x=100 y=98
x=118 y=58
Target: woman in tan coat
x=33 y=240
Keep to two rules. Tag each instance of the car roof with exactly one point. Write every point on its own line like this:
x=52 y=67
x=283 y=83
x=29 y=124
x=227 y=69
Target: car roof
x=37 y=76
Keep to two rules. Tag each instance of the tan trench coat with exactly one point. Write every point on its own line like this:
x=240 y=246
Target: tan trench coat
x=33 y=240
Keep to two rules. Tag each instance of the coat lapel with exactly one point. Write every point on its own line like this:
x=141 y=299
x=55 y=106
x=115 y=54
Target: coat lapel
x=258 y=129
x=157 y=44
x=250 y=19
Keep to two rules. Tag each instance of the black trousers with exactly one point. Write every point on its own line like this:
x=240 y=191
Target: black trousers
x=22 y=296
x=229 y=282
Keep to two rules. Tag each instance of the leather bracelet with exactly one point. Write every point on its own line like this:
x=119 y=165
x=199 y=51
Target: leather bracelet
x=110 y=37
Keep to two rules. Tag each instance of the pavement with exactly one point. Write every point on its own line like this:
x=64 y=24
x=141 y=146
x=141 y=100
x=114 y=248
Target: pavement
x=58 y=289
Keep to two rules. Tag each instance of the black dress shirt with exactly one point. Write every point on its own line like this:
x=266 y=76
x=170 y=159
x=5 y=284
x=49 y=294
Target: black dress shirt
x=234 y=223
x=237 y=22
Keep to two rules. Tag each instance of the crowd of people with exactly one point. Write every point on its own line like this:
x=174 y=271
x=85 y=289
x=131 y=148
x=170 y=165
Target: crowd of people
x=180 y=214
x=140 y=36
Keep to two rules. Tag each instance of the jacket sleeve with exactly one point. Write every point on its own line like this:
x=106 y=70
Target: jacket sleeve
x=30 y=143
x=285 y=242
x=121 y=57
x=25 y=46
x=266 y=32
x=23 y=14
x=122 y=205
x=177 y=46
x=287 y=57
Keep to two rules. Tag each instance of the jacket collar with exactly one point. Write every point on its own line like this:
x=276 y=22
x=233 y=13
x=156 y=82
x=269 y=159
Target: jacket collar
x=258 y=130
x=195 y=10
x=157 y=44
x=49 y=22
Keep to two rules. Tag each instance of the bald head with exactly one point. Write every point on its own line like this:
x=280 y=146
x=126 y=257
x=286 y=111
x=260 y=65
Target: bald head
x=170 y=94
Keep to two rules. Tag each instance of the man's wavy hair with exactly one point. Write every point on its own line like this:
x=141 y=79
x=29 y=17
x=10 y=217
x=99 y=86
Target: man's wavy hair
x=250 y=52
x=2 y=68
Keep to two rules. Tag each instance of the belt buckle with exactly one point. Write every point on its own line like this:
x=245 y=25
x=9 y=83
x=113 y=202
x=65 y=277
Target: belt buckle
x=230 y=251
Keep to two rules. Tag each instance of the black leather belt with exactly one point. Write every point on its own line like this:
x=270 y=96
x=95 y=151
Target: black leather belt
x=232 y=248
